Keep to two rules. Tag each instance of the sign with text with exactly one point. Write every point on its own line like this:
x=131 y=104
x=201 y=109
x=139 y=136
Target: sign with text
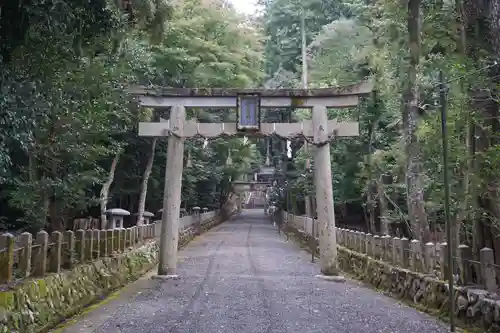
x=248 y=112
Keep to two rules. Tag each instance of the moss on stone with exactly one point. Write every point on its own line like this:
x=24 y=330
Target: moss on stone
x=477 y=312
x=37 y=305
x=7 y=299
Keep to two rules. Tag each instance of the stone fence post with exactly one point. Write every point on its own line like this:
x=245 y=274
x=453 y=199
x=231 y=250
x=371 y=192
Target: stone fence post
x=69 y=249
x=464 y=264
x=7 y=243
x=340 y=236
x=80 y=245
x=443 y=260
x=103 y=247
x=362 y=242
x=357 y=241
x=42 y=243
x=368 y=244
x=89 y=245
x=429 y=257
x=376 y=247
x=386 y=248
x=488 y=271
x=395 y=250
x=56 y=252
x=348 y=239
x=415 y=248
x=110 y=247
x=26 y=241
x=404 y=254
x=197 y=220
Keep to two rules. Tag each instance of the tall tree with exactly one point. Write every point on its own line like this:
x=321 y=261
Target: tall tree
x=411 y=117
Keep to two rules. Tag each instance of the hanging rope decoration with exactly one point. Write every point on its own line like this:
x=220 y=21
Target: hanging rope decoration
x=298 y=137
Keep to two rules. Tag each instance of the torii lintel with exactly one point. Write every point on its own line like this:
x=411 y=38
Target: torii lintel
x=339 y=97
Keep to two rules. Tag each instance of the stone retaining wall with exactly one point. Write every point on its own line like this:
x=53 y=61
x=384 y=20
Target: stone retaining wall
x=475 y=308
x=36 y=305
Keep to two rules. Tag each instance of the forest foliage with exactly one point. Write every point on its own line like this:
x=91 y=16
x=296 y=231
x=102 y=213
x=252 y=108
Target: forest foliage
x=394 y=169
x=67 y=119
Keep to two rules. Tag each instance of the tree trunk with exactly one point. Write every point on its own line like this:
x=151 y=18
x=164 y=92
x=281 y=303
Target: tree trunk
x=464 y=209
x=144 y=185
x=45 y=201
x=469 y=34
x=223 y=192
x=372 y=184
x=483 y=31
x=103 y=198
x=383 y=208
x=494 y=121
x=370 y=205
x=415 y=191
x=295 y=208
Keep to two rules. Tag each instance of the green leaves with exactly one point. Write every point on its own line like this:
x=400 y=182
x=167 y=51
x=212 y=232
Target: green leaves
x=66 y=112
x=281 y=21
x=206 y=47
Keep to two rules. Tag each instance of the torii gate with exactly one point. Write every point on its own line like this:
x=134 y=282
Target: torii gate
x=242 y=186
x=248 y=103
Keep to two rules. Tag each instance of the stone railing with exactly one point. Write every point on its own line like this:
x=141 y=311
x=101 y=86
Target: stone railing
x=189 y=221
x=37 y=255
x=430 y=259
x=406 y=270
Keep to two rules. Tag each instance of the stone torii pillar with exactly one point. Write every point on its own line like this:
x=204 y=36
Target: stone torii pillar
x=248 y=103
x=324 y=195
x=169 y=234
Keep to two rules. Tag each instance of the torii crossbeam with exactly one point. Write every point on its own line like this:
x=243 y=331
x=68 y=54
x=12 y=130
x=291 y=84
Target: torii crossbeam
x=248 y=103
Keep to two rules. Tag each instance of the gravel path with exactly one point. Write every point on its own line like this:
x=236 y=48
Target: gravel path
x=242 y=277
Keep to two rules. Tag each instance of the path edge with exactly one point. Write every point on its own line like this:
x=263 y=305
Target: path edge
x=306 y=243
x=50 y=303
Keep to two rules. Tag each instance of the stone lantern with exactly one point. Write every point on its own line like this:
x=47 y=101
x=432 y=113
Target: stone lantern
x=146 y=217
x=205 y=210
x=197 y=219
x=116 y=217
